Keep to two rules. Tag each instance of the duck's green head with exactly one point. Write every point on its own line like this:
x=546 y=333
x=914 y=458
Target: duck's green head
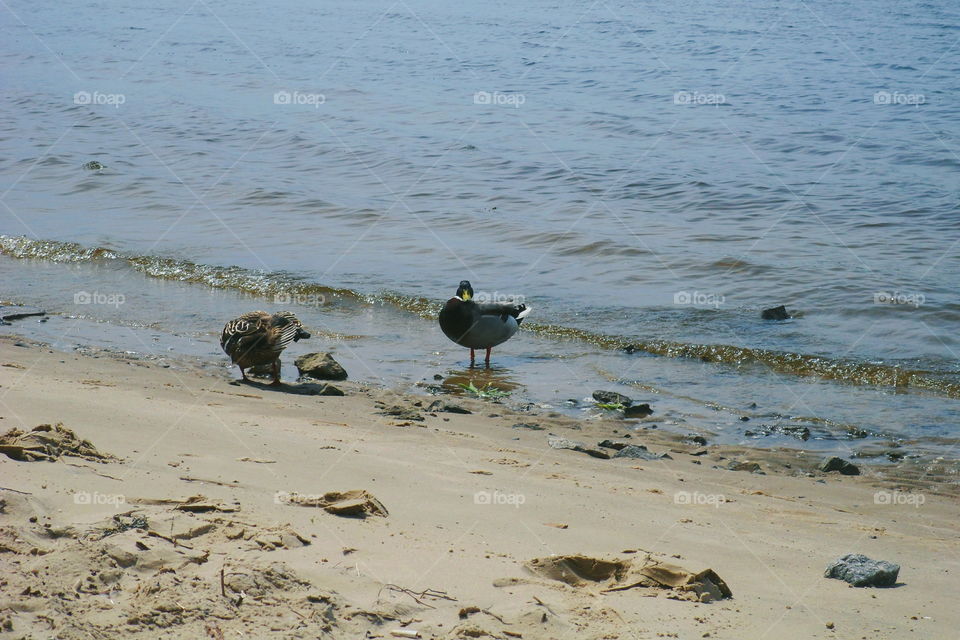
x=464 y=291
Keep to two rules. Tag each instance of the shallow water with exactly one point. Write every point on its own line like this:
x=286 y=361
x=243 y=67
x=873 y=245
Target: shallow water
x=608 y=162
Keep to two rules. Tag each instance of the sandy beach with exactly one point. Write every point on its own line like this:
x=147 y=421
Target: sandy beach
x=208 y=520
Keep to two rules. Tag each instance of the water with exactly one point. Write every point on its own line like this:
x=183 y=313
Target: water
x=609 y=162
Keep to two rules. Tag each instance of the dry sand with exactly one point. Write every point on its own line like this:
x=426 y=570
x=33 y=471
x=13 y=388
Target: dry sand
x=116 y=548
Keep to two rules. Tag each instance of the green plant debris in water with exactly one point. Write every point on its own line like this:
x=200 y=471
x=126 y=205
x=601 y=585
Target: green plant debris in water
x=488 y=392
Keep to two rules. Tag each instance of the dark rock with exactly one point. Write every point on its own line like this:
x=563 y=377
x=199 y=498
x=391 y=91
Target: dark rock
x=18 y=313
x=776 y=313
x=93 y=165
x=612 y=397
x=696 y=439
x=447 y=407
x=861 y=571
x=637 y=411
x=533 y=426
x=701 y=452
x=640 y=452
x=744 y=418
x=612 y=444
x=631 y=348
x=845 y=467
x=320 y=366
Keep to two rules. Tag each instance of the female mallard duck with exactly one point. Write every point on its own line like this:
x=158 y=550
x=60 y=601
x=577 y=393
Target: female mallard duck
x=258 y=338
x=480 y=325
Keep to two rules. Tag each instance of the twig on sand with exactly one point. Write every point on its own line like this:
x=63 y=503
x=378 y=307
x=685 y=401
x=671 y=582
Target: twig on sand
x=223 y=585
x=418 y=596
x=217 y=482
x=173 y=541
x=85 y=466
x=23 y=493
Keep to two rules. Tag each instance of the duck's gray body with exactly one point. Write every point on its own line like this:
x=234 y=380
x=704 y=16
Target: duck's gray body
x=477 y=325
x=480 y=326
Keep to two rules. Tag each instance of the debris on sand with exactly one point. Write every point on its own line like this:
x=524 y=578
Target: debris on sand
x=619 y=575
x=49 y=442
x=194 y=504
x=861 y=571
x=355 y=504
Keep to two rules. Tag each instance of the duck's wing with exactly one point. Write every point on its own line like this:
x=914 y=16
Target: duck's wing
x=284 y=327
x=240 y=334
x=504 y=310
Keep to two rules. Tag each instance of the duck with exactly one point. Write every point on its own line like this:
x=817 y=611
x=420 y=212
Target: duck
x=480 y=325
x=258 y=338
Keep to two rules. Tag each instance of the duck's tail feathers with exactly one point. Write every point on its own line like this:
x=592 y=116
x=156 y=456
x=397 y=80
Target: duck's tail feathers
x=524 y=313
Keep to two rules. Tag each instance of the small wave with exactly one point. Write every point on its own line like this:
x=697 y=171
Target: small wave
x=262 y=283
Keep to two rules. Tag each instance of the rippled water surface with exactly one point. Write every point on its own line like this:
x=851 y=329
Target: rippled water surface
x=648 y=174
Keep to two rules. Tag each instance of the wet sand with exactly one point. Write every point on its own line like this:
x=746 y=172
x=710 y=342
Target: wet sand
x=101 y=549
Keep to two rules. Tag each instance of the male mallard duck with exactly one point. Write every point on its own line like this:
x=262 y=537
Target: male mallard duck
x=258 y=338
x=480 y=325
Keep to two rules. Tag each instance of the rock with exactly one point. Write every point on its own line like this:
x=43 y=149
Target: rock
x=640 y=452
x=402 y=413
x=794 y=431
x=565 y=443
x=330 y=390
x=775 y=313
x=612 y=397
x=695 y=439
x=121 y=556
x=528 y=425
x=845 y=467
x=613 y=444
x=447 y=407
x=861 y=571
x=637 y=411
x=18 y=313
x=93 y=165
x=320 y=366
x=743 y=466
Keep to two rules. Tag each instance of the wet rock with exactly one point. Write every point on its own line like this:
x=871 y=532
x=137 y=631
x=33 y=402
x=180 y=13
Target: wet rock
x=17 y=313
x=861 y=571
x=697 y=439
x=794 y=431
x=612 y=397
x=637 y=411
x=775 y=313
x=320 y=366
x=736 y=465
x=447 y=407
x=845 y=467
x=93 y=165
x=640 y=452
x=565 y=443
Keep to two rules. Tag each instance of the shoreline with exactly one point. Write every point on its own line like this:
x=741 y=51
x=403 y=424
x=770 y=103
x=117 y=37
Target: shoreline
x=181 y=433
